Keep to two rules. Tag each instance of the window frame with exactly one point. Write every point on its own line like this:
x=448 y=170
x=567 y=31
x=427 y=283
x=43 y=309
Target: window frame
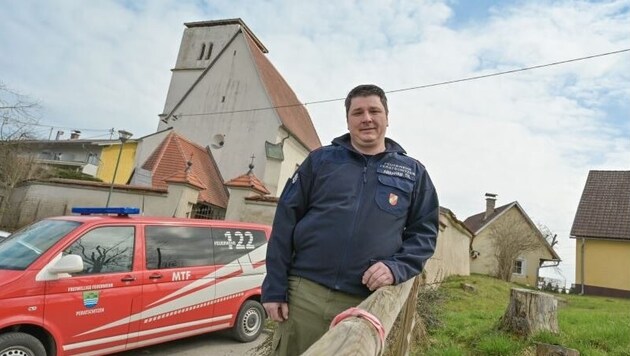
x=523 y=267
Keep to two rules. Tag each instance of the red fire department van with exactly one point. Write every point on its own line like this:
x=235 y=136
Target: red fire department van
x=98 y=283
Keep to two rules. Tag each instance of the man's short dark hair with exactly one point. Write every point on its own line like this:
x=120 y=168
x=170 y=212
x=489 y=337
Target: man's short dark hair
x=366 y=90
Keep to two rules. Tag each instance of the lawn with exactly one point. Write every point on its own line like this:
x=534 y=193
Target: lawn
x=465 y=323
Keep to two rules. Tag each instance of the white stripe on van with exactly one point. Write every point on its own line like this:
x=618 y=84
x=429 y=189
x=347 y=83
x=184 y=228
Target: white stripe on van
x=105 y=340
x=184 y=303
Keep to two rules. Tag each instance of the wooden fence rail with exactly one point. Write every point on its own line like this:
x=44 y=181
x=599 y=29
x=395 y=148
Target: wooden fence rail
x=357 y=336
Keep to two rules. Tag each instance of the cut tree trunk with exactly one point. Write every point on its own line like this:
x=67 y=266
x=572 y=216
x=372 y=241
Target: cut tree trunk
x=530 y=312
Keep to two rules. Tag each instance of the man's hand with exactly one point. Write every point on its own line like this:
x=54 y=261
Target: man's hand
x=377 y=276
x=277 y=311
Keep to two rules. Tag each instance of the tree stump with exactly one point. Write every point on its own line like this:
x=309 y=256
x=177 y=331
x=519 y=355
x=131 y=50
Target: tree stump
x=530 y=312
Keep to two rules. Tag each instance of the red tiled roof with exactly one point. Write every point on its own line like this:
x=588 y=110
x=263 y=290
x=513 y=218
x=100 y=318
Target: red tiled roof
x=292 y=113
x=248 y=180
x=187 y=178
x=169 y=160
x=604 y=209
x=262 y=198
x=87 y=183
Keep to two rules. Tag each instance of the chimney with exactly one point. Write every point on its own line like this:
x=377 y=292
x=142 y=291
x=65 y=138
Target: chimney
x=74 y=135
x=491 y=198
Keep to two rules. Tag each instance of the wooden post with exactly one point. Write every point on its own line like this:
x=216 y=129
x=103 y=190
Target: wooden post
x=356 y=336
x=530 y=312
x=407 y=323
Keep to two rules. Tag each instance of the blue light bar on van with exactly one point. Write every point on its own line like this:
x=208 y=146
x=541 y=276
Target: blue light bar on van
x=111 y=210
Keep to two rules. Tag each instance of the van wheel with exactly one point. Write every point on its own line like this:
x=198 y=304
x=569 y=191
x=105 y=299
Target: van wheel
x=249 y=322
x=20 y=344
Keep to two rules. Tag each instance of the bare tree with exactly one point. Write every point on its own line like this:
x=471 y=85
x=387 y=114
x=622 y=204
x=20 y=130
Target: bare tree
x=511 y=237
x=551 y=238
x=17 y=120
x=18 y=115
x=113 y=258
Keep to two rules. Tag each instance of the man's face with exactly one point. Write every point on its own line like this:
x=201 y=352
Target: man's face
x=367 y=123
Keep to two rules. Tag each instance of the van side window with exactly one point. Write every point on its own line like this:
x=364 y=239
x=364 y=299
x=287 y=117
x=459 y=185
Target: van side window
x=105 y=249
x=177 y=246
x=231 y=244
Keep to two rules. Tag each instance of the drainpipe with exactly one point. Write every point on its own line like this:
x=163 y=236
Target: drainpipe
x=582 y=266
x=541 y=261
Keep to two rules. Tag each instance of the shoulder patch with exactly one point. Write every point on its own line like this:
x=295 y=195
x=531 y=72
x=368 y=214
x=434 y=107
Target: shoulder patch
x=295 y=178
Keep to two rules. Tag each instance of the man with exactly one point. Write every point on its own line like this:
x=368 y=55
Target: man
x=357 y=215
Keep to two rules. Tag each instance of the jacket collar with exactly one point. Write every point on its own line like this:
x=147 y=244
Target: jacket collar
x=390 y=145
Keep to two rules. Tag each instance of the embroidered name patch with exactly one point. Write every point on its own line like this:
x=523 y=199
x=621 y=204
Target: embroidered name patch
x=397 y=170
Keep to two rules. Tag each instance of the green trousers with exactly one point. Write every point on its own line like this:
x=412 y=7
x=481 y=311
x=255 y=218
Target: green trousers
x=311 y=309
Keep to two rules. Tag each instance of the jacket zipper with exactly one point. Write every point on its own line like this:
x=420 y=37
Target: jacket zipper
x=354 y=221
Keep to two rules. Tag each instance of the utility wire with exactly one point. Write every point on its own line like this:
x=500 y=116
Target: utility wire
x=13 y=120
x=467 y=79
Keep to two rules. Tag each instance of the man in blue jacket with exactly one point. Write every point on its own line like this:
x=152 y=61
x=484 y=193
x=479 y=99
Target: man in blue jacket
x=357 y=215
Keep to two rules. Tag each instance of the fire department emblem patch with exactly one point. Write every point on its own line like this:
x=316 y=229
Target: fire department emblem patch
x=393 y=199
x=90 y=298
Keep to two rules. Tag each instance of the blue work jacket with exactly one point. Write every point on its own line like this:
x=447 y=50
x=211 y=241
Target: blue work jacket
x=343 y=211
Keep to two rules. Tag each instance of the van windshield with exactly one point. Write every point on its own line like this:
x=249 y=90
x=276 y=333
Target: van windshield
x=23 y=247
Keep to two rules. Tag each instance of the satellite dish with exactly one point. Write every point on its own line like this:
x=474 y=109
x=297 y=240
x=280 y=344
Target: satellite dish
x=218 y=141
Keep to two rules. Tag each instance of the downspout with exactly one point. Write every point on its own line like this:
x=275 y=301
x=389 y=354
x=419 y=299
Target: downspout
x=582 y=266
x=557 y=263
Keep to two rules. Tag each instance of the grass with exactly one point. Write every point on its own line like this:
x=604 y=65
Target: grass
x=467 y=322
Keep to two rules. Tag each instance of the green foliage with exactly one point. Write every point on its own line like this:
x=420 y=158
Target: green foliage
x=468 y=322
x=428 y=306
x=73 y=174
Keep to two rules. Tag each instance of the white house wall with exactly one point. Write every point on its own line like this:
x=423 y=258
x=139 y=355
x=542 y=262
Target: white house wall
x=276 y=174
x=232 y=84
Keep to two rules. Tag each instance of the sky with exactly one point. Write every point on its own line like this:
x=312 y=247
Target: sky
x=530 y=136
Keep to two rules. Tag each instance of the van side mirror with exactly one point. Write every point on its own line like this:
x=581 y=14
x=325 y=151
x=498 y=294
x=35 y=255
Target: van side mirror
x=68 y=264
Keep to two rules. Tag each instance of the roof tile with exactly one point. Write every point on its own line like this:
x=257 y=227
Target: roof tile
x=476 y=222
x=248 y=180
x=169 y=160
x=604 y=208
x=291 y=111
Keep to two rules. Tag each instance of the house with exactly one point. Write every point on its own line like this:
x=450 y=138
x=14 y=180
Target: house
x=451 y=250
x=601 y=229
x=226 y=95
x=507 y=234
x=93 y=157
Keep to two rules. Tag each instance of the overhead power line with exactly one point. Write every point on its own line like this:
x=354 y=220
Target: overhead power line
x=17 y=121
x=467 y=79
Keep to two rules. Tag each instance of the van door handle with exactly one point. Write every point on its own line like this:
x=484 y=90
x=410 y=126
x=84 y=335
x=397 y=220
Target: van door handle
x=155 y=276
x=128 y=279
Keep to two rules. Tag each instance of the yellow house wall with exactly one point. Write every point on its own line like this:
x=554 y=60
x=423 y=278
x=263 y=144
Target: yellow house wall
x=109 y=156
x=606 y=263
